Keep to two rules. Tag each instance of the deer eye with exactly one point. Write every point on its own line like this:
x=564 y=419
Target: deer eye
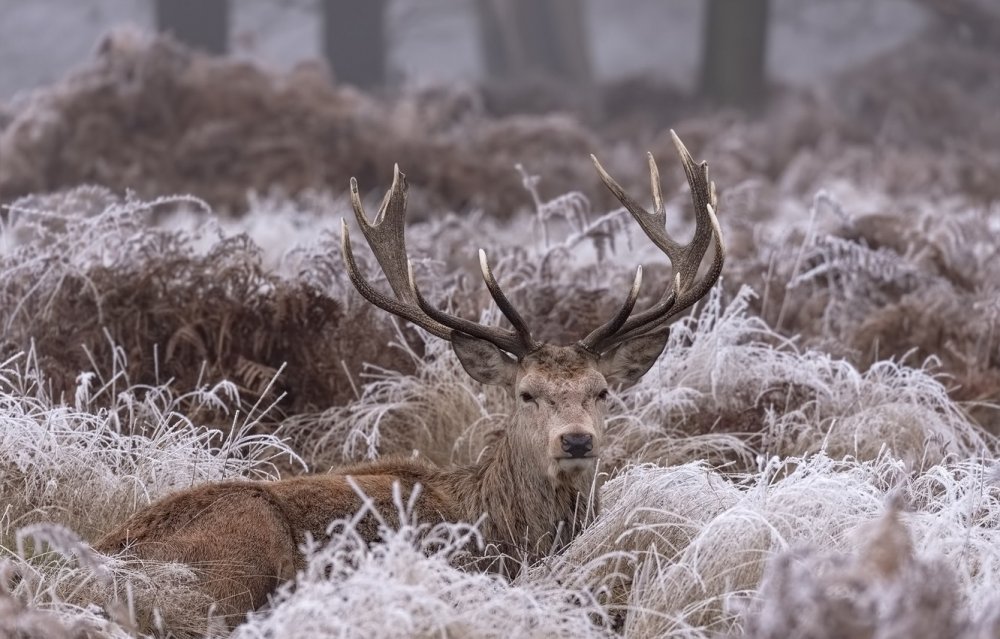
x=603 y=395
x=527 y=397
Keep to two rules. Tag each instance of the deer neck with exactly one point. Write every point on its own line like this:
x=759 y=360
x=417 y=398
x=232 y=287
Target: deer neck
x=529 y=508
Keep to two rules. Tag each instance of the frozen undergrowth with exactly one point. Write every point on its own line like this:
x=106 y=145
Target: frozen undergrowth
x=53 y=585
x=88 y=465
x=871 y=278
x=409 y=586
x=436 y=411
x=680 y=551
x=741 y=445
x=85 y=464
x=726 y=388
x=677 y=551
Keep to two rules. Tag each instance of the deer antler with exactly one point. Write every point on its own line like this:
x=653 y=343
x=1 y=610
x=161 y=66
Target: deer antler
x=685 y=259
x=386 y=239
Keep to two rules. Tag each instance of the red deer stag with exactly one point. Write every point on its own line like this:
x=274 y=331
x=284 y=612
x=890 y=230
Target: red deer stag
x=531 y=488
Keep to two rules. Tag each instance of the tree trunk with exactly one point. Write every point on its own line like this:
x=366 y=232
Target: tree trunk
x=203 y=24
x=734 y=52
x=354 y=41
x=535 y=36
x=967 y=15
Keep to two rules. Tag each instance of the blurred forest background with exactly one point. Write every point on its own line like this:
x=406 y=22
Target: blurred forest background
x=328 y=89
x=405 y=43
x=170 y=264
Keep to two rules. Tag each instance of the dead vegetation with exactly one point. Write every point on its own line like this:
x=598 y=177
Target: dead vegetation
x=92 y=283
x=150 y=116
x=844 y=373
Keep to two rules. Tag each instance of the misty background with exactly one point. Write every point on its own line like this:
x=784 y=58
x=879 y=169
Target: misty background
x=220 y=98
x=173 y=180
x=440 y=41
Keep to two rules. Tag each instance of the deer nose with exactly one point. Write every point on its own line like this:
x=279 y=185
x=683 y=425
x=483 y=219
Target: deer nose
x=577 y=444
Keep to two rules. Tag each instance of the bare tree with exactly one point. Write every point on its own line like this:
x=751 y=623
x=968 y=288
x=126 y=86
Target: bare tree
x=203 y=24
x=529 y=45
x=970 y=16
x=734 y=52
x=524 y=36
x=354 y=41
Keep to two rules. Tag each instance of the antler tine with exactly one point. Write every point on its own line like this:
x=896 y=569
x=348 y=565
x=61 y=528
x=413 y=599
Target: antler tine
x=506 y=340
x=508 y=310
x=685 y=259
x=707 y=230
x=385 y=234
x=706 y=226
x=411 y=313
x=646 y=322
x=596 y=338
x=385 y=237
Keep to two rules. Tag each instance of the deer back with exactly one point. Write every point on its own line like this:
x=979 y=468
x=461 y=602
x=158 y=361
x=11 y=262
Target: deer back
x=243 y=539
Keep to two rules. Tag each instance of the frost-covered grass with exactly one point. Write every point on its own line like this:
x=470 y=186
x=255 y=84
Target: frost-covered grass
x=73 y=467
x=681 y=550
x=744 y=470
x=410 y=586
x=86 y=466
x=55 y=585
x=810 y=457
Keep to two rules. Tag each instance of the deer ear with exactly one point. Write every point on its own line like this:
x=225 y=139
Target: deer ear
x=483 y=361
x=630 y=360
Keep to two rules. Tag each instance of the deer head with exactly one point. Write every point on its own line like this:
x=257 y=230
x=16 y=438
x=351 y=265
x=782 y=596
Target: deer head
x=560 y=391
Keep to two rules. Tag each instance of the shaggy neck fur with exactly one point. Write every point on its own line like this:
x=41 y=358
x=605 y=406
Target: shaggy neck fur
x=532 y=509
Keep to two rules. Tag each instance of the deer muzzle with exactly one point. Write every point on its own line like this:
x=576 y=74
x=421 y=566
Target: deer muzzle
x=577 y=445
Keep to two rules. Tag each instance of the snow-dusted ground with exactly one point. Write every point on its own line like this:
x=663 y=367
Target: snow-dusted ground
x=435 y=40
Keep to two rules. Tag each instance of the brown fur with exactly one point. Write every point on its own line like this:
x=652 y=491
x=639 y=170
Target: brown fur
x=244 y=537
